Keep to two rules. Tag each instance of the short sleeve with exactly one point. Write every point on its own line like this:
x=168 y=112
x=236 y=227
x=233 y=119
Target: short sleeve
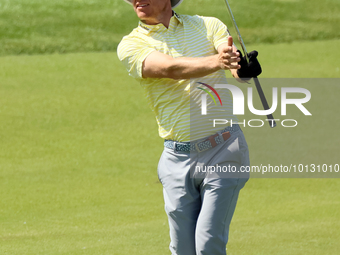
x=219 y=31
x=132 y=54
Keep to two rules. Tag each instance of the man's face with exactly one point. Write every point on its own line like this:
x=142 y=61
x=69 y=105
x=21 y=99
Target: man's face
x=151 y=11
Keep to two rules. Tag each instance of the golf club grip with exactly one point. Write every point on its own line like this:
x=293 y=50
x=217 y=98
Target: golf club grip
x=264 y=102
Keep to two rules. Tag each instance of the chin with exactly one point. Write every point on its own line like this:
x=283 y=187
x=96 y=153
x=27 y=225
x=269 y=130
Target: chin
x=142 y=14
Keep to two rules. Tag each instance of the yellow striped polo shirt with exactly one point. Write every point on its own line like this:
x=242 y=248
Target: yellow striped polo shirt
x=177 y=103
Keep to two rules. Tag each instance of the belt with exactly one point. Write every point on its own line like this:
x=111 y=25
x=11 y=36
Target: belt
x=208 y=143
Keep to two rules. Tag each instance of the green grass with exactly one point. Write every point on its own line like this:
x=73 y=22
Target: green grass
x=80 y=150
x=296 y=59
x=68 y=181
x=40 y=26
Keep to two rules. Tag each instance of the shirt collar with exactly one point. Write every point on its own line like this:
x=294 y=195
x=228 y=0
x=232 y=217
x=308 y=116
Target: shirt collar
x=176 y=15
x=148 y=28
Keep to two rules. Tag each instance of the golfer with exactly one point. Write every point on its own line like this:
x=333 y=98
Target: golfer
x=177 y=59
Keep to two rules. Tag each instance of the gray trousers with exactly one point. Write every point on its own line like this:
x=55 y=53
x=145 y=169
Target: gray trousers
x=199 y=203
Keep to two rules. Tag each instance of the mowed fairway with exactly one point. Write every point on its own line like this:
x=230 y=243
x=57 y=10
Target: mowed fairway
x=77 y=172
x=79 y=153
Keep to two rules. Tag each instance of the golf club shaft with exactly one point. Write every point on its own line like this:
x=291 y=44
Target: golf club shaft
x=272 y=122
x=264 y=102
x=243 y=46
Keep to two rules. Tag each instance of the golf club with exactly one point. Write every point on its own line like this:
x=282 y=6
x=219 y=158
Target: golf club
x=264 y=102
